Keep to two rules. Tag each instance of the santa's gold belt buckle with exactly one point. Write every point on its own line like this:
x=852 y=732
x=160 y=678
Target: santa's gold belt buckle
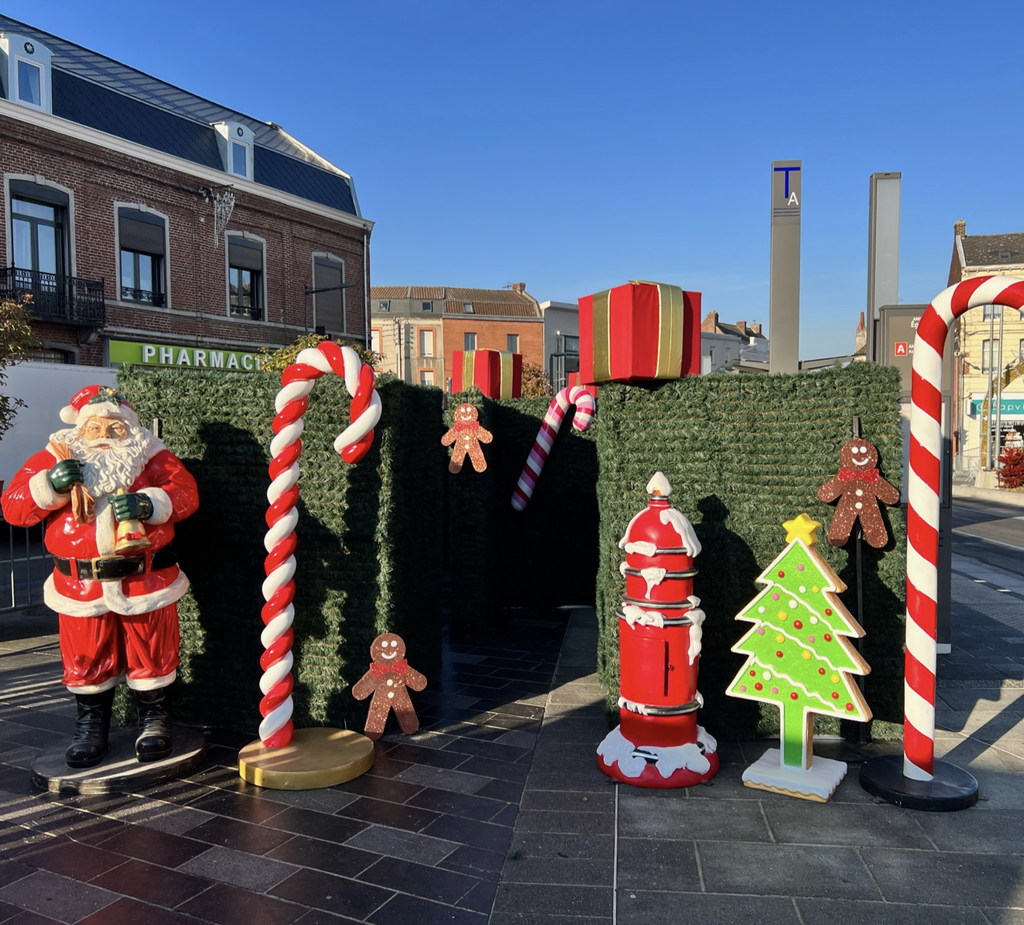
x=136 y=570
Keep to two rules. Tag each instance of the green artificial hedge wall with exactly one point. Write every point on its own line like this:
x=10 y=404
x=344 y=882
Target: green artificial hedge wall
x=370 y=539
x=743 y=454
x=542 y=557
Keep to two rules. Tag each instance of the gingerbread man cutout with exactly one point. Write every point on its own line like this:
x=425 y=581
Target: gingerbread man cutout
x=467 y=435
x=859 y=486
x=387 y=680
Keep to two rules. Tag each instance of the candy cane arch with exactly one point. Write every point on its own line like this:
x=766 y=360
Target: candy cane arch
x=923 y=512
x=283 y=494
x=560 y=404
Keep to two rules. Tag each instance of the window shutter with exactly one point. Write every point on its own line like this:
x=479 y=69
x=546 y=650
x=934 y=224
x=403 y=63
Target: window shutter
x=141 y=231
x=244 y=254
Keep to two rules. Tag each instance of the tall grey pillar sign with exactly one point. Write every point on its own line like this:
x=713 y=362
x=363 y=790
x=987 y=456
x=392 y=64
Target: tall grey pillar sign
x=883 y=250
x=784 y=306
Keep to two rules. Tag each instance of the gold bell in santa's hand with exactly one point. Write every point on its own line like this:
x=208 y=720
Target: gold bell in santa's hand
x=131 y=534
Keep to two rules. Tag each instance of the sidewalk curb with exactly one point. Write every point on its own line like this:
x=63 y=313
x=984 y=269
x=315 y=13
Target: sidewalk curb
x=1013 y=498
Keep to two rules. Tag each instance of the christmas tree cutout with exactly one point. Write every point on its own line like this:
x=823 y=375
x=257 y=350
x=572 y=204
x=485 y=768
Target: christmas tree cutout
x=799 y=659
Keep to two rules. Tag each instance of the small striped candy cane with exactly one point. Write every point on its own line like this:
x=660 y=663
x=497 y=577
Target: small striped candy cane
x=283 y=494
x=923 y=507
x=560 y=404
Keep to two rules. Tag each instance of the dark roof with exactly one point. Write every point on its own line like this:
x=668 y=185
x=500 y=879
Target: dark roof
x=93 y=90
x=503 y=303
x=989 y=250
x=92 y=105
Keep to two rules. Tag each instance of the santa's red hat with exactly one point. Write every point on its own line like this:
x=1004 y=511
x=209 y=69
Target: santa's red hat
x=98 y=401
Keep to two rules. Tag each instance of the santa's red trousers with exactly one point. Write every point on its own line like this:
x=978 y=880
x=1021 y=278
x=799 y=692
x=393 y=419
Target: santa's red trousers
x=98 y=651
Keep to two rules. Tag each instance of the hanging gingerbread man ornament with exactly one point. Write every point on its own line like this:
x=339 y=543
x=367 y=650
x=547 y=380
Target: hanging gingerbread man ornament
x=387 y=679
x=859 y=486
x=467 y=434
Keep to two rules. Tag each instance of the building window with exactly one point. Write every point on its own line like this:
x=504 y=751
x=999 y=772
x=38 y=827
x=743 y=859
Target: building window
x=375 y=334
x=991 y=311
x=236 y=143
x=40 y=246
x=329 y=299
x=512 y=343
x=384 y=306
x=426 y=377
x=469 y=340
x=25 y=71
x=991 y=358
x=49 y=355
x=142 y=241
x=1020 y=349
x=245 y=278
x=426 y=342
x=426 y=306
x=467 y=308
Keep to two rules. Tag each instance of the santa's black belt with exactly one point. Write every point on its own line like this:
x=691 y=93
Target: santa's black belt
x=114 y=568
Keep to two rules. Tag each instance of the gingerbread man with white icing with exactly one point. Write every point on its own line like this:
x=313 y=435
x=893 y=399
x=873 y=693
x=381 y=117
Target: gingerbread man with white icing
x=389 y=676
x=859 y=486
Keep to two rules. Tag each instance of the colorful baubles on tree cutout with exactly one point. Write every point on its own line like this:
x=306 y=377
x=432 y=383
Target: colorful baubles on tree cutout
x=798 y=659
x=658 y=742
x=859 y=487
x=465 y=437
x=389 y=680
x=560 y=405
x=283 y=494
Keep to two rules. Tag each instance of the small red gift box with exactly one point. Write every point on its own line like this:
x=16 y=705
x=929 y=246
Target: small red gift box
x=496 y=373
x=639 y=331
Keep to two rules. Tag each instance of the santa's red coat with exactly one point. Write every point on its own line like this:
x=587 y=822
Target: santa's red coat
x=164 y=480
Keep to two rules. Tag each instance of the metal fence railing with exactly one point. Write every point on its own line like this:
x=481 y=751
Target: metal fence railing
x=24 y=565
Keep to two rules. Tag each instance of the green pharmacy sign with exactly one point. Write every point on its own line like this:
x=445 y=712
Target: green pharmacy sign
x=142 y=354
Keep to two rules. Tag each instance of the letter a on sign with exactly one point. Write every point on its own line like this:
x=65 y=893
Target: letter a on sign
x=901 y=348
x=792 y=201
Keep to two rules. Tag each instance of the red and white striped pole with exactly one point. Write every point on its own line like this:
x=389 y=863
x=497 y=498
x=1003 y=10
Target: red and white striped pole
x=919 y=763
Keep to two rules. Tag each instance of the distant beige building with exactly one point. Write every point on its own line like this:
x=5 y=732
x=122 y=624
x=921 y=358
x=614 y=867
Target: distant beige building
x=988 y=340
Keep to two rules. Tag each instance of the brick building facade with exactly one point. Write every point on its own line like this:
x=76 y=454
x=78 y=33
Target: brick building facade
x=110 y=178
x=458 y=319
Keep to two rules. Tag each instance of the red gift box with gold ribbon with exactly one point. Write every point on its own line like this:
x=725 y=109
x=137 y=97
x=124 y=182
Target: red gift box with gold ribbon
x=639 y=331
x=496 y=373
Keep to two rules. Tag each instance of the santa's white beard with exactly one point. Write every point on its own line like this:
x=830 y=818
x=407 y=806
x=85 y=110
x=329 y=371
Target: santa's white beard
x=115 y=465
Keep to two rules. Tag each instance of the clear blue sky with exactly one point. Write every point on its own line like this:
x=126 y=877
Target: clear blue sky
x=575 y=145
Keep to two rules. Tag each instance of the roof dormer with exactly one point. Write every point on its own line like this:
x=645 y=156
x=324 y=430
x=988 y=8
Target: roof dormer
x=25 y=71
x=237 y=144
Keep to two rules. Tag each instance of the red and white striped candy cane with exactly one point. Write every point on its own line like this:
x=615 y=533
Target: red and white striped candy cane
x=283 y=494
x=560 y=404
x=923 y=509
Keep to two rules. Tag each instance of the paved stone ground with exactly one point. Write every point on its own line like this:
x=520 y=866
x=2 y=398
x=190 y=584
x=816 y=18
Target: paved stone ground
x=587 y=850
x=420 y=839
x=495 y=812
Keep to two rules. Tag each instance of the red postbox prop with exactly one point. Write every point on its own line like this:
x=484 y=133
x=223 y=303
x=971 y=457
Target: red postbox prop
x=658 y=742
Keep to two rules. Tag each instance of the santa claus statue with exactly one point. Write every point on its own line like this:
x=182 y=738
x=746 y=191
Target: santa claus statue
x=111 y=493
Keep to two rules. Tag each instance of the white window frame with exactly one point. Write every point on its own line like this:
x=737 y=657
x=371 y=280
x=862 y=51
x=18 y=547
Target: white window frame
x=426 y=306
x=466 y=335
x=425 y=374
x=384 y=305
x=507 y=337
x=39 y=180
x=995 y=361
x=334 y=258
x=255 y=239
x=467 y=308
x=21 y=48
x=141 y=207
x=422 y=335
x=230 y=134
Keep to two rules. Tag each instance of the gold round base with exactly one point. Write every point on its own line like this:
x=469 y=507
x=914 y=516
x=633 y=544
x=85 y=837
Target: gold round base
x=317 y=757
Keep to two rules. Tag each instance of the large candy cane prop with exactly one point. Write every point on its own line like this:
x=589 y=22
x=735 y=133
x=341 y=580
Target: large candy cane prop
x=283 y=494
x=560 y=404
x=923 y=513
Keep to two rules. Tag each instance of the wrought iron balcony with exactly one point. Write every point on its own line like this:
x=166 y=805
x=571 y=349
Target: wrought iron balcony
x=55 y=297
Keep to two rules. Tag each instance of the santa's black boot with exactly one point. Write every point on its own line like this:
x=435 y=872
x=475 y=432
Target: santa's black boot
x=92 y=727
x=154 y=741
